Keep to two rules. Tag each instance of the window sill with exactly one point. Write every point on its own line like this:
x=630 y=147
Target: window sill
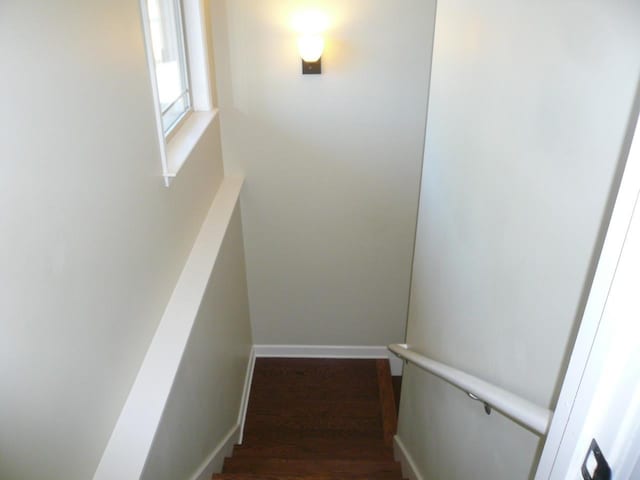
x=184 y=140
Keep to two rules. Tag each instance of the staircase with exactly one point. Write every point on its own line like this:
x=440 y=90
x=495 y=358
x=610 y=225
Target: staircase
x=317 y=419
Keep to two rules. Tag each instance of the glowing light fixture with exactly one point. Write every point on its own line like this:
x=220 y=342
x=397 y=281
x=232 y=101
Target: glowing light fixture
x=310 y=26
x=311 y=47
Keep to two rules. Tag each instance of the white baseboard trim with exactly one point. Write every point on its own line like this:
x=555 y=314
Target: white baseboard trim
x=409 y=467
x=329 y=351
x=244 y=403
x=213 y=463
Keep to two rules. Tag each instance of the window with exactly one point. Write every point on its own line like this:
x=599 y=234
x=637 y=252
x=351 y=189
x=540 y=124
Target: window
x=176 y=41
x=166 y=29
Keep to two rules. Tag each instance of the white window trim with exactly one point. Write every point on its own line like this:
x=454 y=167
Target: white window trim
x=176 y=148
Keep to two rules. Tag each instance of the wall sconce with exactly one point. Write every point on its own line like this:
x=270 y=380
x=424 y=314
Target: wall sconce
x=311 y=47
x=310 y=25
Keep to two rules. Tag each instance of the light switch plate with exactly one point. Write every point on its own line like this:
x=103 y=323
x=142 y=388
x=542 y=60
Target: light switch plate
x=595 y=466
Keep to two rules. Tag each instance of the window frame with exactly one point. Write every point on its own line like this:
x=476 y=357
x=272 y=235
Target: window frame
x=177 y=143
x=183 y=54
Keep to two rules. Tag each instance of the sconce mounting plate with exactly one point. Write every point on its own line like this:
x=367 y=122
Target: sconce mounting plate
x=312 y=68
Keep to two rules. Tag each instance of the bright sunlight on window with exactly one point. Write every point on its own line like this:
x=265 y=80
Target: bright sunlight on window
x=169 y=53
x=176 y=40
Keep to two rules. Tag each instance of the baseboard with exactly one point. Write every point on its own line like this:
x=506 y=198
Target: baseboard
x=409 y=467
x=244 y=403
x=330 y=351
x=213 y=463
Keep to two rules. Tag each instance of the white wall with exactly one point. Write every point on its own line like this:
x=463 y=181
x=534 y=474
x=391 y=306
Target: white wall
x=206 y=396
x=332 y=163
x=600 y=395
x=528 y=110
x=91 y=242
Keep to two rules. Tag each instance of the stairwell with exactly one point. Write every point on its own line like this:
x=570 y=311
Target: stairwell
x=317 y=419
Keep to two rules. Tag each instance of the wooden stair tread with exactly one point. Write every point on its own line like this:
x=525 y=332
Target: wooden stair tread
x=264 y=436
x=299 y=394
x=314 y=407
x=370 y=425
x=370 y=468
x=262 y=476
x=317 y=419
x=331 y=367
x=316 y=376
x=318 y=448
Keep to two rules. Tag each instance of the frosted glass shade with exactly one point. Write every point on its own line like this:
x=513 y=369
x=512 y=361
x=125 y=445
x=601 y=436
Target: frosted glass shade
x=311 y=47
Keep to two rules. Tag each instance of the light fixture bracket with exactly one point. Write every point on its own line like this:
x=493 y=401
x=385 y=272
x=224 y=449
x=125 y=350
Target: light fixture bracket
x=312 y=68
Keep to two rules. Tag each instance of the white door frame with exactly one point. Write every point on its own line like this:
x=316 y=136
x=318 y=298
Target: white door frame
x=600 y=396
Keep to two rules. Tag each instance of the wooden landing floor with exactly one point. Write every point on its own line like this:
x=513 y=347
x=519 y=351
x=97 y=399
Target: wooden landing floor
x=317 y=419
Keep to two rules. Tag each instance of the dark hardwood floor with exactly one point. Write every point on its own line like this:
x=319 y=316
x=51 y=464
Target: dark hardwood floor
x=317 y=419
